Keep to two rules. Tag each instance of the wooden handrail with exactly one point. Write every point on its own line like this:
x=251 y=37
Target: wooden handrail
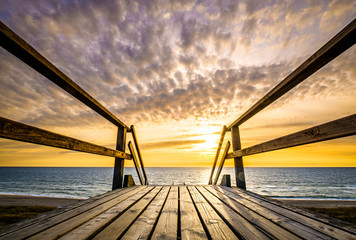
x=217 y=153
x=133 y=132
x=18 y=131
x=333 y=48
x=221 y=165
x=136 y=163
x=24 y=51
x=342 y=127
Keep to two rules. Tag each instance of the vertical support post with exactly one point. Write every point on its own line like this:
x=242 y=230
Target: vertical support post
x=238 y=163
x=119 y=162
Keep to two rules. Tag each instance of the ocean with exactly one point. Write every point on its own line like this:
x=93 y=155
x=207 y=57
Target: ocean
x=301 y=183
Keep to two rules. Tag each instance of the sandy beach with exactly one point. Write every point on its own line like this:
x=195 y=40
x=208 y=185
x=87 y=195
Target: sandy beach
x=24 y=200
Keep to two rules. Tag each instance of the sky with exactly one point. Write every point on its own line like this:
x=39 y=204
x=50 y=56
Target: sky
x=178 y=71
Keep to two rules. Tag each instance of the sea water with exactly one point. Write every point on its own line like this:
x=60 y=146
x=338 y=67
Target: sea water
x=311 y=183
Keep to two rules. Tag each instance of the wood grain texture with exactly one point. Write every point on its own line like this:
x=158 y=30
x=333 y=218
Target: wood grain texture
x=24 y=51
x=335 y=129
x=237 y=222
x=299 y=224
x=191 y=227
x=143 y=226
x=254 y=217
x=167 y=224
x=216 y=227
x=74 y=215
x=21 y=132
x=223 y=132
x=342 y=41
x=90 y=226
x=119 y=162
x=117 y=228
x=238 y=161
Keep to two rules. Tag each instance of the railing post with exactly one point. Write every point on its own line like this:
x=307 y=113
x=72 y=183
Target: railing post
x=139 y=153
x=238 y=163
x=119 y=162
x=217 y=154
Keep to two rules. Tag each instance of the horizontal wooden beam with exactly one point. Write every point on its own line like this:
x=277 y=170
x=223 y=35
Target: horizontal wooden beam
x=342 y=127
x=24 y=51
x=18 y=131
x=337 y=45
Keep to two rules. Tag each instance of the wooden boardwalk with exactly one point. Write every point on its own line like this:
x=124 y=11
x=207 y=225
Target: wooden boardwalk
x=178 y=212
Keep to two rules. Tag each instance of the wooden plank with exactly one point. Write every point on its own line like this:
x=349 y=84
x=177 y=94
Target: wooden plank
x=238 y=161
x=112 y=223
x=25 y=223
x=221 y=165
x=143 y=226
x=90 y=221
x=335 y=129
x=92 y=207
x=237 y=222
x=333 y=48
x=119 y=165
x=273 y=230
x=137 y=167
x=191 y=227
x=223 y=132
x=133 y=131
x=24 y=51
x=303 y=226
x=167 y=224
x=216 y=227
x=18 y=131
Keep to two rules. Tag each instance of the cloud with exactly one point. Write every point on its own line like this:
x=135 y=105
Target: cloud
x=165 y=61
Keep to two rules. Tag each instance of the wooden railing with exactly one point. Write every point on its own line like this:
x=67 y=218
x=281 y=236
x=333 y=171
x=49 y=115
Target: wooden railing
x=335 y=129
x=9 y=129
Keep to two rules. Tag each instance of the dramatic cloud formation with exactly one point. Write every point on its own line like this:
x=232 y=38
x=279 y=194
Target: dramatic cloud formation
x=159 y=62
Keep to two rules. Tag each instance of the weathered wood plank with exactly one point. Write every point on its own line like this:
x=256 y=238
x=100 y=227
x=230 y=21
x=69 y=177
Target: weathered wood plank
x=254 y=217
x=119 y=164
x=137 y=166
x=89 y=209
x=191 y=227
x=18 y=131
x=143 y=226
x=236 y=221
x=167 y=224
x=100 y=198
x=88 y=222
x=216 y=227
x=238 y=161
x=24 y=51
x=301 y=225
x=333 y=48
x=335 y=129
x=221 y=165
x=223 y=132
x=117 y=228
x=134 y=136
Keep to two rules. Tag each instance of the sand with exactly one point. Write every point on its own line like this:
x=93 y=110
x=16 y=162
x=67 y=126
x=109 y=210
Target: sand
x=319 y=203
x=24 y=200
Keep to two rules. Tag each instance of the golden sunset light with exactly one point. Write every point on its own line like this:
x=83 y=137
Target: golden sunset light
x=178 y=71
